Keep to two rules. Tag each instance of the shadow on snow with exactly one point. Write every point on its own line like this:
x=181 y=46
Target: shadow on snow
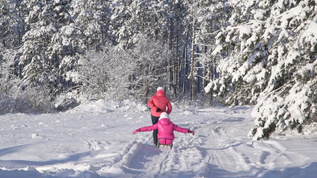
x=137 y=168
x=294 y=172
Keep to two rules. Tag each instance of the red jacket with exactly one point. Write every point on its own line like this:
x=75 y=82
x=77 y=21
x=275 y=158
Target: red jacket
x=165 y=129
x=159 y=100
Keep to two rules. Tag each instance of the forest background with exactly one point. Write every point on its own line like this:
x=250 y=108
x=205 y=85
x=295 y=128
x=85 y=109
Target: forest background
x=54 y=54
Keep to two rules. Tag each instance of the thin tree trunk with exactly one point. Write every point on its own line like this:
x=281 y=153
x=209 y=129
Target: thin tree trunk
x=204 y=83
x=171 y=61
x=178 y=74
x=178 y=62
x=192 y=77
x=185 y=68
x=211 y=79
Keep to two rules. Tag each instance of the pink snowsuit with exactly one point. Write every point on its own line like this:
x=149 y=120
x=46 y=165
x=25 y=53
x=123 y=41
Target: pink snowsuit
x=165 y=130
x=159 y=100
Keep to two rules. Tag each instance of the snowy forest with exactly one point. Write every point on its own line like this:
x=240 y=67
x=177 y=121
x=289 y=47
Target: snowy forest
x=56 y=53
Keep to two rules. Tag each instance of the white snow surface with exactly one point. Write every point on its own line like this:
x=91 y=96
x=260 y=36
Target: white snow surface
x=95 y=140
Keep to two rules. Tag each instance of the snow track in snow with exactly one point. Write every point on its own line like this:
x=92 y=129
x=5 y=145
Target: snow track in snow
x=191 y=156
x=149 y=161
x=217 y=150
x=84 y=144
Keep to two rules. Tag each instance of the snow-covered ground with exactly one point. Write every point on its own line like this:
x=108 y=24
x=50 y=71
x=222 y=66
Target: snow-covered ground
x=95 y=140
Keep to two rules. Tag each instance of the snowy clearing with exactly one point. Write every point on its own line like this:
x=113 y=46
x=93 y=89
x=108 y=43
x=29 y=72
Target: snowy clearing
x=95 y=140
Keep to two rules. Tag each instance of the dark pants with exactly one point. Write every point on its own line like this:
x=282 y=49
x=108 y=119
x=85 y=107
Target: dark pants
x=154 y=121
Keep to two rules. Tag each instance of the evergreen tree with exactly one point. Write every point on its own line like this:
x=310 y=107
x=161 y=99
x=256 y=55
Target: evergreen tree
x=92 y=18
x=265 y=57
x=8 y=77
x=38 y=57
x=131 y=18
x=12 y=23
x=207 y=18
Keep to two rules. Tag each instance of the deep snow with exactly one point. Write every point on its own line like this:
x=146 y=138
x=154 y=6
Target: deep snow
x=95 y=140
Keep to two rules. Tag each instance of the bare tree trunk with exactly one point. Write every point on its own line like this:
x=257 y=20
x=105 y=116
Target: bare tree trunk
x=178 y=58
x=211 y=78
x=192 y=77
x=171 y=61
x=147 y=91
x=185 y=67
x=173 y=83
x=173 y=55
x=176 y=71
x=204 y=83
x=146 y=73
x=20 y=71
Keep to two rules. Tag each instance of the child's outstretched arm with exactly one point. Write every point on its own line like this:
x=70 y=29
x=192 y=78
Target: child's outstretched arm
x=183 y=130
x=144 y=129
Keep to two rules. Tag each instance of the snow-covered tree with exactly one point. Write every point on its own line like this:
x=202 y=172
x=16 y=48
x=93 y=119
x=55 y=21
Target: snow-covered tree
x=207 y=17
x=292 y=83
x=8 y=75
x=33 y=58
x=12 y=98
x=151 y=72
x=131 y=18
x=92 y=18
x=270 y=60
x=104 y=73
x=122 y=74
x=11 y=23
x=38 y=57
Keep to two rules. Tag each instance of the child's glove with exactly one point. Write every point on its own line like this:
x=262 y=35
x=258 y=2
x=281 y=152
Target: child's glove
x=137 y=130
x=158 y=110
x=189 y=131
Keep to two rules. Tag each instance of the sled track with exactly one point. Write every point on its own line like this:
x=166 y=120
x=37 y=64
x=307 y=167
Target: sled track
x=191 y=155
x=144 y=160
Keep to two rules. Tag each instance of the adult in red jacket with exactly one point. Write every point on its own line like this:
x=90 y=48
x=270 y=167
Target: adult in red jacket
x=158 y=103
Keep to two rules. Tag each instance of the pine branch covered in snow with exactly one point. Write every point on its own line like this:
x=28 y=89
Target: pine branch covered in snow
x=271 y=63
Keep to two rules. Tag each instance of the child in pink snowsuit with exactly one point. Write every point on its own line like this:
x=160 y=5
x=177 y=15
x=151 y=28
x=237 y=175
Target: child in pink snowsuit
x=165 y=129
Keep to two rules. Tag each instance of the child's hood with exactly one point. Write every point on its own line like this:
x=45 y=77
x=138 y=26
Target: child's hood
x=164 y=121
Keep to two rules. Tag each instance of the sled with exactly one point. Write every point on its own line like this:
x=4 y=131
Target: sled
x=165 y=147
